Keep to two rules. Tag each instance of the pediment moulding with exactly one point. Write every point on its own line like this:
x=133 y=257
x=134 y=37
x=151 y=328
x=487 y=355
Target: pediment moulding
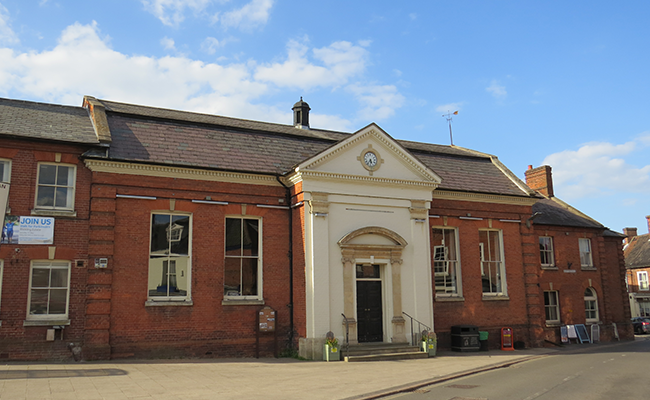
x=385 y=140
x=301 y=175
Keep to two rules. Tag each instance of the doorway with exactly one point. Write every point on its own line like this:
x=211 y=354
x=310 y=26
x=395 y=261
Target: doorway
x=369 y=303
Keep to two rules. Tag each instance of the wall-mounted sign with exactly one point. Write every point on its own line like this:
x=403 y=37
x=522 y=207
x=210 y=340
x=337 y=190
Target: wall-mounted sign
x=28 y=230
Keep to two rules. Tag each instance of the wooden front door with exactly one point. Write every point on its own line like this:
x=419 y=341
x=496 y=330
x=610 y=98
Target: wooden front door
x=369 y=311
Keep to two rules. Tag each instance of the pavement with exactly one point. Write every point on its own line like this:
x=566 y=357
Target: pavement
x=282 y=378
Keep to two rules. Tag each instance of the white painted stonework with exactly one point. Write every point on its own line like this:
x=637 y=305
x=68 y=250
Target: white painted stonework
x=356 y=214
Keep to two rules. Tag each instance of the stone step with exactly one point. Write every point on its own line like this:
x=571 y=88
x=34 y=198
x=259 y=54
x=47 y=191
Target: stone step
x=381 y=352
x=387 y=357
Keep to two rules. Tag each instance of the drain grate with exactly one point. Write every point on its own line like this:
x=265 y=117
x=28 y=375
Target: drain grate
x=468 y=398
x=463 y=386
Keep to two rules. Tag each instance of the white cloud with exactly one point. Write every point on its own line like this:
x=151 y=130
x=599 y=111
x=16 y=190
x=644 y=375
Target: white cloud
x=172 y=12
x=599 y=168
x=249 y=16
x=413 y=16
x=7 y=35
x=378 y=101
x=497 y=91
x=451 y=107
x=341 y=61
x=167 y=43
x=61 y=75
x=210 y=45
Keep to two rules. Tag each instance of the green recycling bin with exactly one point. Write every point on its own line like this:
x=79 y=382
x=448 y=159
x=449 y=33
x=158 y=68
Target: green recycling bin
x=483 y=340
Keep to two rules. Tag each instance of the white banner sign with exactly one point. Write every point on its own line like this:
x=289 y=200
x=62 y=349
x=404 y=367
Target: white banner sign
x=28 y=230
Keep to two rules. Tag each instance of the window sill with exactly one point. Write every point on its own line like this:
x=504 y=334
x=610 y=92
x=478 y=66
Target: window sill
x=550 y=268
x=55 y=213
x=243 y=302
x=495 y=297
x=588 y=268
x=553 y=324
x=444 y=298
x=168 y=303
x=46 y=322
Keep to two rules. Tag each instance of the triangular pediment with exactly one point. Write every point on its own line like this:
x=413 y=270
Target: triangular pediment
x=370 y=155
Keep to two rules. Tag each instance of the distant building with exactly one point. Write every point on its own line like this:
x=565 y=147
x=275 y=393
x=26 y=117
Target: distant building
x=173 y=229
x=637 y=262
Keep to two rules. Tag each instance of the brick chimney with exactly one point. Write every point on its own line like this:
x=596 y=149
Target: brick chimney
x=629 y=234
x=647 y=217
x=540 y=179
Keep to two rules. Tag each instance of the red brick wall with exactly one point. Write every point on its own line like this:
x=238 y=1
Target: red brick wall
x=488 y=315
x=19 y=342
x=206 y=328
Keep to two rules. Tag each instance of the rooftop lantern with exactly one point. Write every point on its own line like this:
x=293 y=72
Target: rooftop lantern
x=301 y=114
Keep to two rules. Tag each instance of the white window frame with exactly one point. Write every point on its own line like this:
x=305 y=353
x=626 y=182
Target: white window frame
x=5 y=176
x=71 y=186
x=586 y=254
x=493 y=259
x=451 y=263
x=168 y=262
x=50 y=264
x=230 y=296
x=642 y=280
x=546 y=251
x=550 y=308
x=591 y=299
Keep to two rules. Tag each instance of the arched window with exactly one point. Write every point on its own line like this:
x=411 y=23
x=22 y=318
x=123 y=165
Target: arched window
x=591 y=305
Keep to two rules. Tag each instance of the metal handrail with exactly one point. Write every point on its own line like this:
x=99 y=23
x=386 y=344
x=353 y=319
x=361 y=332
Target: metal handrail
x=347 y=335
x=414 y=334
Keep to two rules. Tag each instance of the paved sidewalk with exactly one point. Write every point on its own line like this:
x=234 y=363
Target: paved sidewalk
x=238 y=378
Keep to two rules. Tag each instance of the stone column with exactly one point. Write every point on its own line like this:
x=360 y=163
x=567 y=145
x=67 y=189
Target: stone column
x=348 y=294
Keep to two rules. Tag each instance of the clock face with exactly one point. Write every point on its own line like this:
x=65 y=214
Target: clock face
x=370 y=159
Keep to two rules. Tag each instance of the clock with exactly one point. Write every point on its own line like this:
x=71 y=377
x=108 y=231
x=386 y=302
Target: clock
x=370 y=159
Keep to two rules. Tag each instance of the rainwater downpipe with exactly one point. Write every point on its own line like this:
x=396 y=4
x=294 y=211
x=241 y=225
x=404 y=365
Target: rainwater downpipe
x=287 y=197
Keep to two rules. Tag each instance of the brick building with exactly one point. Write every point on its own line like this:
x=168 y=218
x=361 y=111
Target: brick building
x=44 y=277
x=637 y=262
x=191 y=223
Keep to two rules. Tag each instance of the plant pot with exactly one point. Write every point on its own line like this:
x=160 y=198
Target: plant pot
x=331 y=353
x=430 y=347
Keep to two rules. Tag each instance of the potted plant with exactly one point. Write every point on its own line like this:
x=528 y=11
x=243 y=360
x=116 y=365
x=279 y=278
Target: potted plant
x=429 y=343
x=331 y=348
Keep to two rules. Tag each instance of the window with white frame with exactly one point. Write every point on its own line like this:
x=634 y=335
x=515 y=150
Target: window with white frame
x=169 y=257
x=55 y=187
x=586 y=260
x=493 y=272
x=49 y=290
x=5 y=170
x=546 y=251
x=591 y=305
x=552 y=307
x=446 y=264
x=242 y=270
x=642 y=278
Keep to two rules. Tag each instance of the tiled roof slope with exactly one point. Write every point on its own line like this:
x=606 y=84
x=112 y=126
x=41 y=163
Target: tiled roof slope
x=46 y=121
x=149 y=134
x=637 y=252
x=560 y=214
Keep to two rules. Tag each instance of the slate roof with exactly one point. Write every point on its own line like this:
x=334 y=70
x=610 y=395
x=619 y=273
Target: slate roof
x=637 y=252
x=553 y=212
x=32 y=120
x=171 y=137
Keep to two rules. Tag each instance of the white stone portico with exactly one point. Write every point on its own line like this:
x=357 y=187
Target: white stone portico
x=366 y=237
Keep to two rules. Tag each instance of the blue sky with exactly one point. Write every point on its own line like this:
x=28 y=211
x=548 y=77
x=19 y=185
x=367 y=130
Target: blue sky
x=535 y=82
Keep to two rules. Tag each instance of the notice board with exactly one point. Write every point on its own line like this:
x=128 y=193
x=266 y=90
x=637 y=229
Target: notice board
x=267 y=320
